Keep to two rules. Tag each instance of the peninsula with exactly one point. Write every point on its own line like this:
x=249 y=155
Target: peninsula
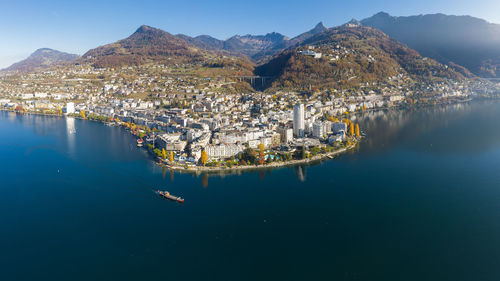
x=271 y=101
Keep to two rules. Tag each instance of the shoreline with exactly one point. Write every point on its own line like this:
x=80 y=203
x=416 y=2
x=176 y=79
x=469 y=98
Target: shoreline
x=203 y=169
x=197 y=169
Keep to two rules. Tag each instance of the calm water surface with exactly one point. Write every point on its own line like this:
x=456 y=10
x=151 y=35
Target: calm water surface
x=418 y=200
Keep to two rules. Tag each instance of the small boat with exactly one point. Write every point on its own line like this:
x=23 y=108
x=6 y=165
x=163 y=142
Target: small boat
x=167 y=195
x=140 y=142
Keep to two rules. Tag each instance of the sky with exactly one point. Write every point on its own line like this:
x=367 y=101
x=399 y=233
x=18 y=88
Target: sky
x=76 y=26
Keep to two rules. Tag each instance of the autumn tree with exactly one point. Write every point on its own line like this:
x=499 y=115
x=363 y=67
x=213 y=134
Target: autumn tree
x=171 y=157
x=357 y=131
x=163 y=154
x=261 y=154
x=351 y=129
x=204 y=157
x=82 y=113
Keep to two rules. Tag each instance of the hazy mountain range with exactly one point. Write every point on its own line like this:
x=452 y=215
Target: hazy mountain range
x=462 y=42
x=42 y=58
x=467 y=41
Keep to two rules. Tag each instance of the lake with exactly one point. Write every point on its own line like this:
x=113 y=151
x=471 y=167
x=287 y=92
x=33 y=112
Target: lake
x=419 y=199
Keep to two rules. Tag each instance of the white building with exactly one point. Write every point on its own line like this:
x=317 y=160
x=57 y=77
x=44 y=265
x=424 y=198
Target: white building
x=298 y=120
x=223 y=151
x=318 y=130
x=70 y=108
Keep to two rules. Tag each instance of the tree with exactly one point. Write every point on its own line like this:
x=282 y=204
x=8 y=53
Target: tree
x=171 y=157
x=303 y=152
x=163 y=154
x=157 y=152
x=300 y=153
x=351 y=129
x=249 y=156
x=82 y=113
x=204 y=157
x=357 y=131
x=262 y=159
x=315 y=151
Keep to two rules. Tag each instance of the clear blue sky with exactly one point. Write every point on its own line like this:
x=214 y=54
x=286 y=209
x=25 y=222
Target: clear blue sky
x=75 y=26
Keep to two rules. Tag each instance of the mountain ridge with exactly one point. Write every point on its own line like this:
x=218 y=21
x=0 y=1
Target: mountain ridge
x=145 y=44
x=467 y=41
x=348 y=56
x=41 y=58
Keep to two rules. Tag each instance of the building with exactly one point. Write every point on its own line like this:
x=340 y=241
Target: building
x=171 y=142
x=318 y=130
x=312 y=54
x=298 y=120
x=70 y=108
x=338 y=127
x=286 y=134
x=223 y=151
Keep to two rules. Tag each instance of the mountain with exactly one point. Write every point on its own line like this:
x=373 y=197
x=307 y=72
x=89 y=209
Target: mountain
x=41 y=59
x=256 y=47
x=463 y=40
x=247 y=45
x=351 y=54
x=205 y=42
x=251 y=46
x=285 y=44
x=145 y=44
x=319 y=28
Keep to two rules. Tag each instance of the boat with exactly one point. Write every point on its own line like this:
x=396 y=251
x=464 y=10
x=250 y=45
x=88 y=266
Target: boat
x=169 y=196
x=140 y=142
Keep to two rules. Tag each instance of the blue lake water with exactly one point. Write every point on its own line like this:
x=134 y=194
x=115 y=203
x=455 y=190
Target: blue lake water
x=418 y=200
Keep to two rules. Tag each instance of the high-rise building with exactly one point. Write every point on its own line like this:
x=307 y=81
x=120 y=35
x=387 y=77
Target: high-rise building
x=318 y=129
x=298 y=120
x=70 y=108
x=286 y=134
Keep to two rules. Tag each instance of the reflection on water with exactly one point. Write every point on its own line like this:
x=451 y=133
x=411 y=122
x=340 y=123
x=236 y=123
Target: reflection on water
x=71 y=134
x=204 y=180
x=426 y=129
x=300 y=172
x=432 y=126
x=352 y=218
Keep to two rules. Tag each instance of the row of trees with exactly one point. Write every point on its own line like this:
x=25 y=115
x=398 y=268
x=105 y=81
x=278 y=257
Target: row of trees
x=353 y=129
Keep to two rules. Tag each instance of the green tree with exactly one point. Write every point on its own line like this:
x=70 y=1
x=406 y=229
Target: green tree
x=315 y=150
x=157 y=152
x=249 y=156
